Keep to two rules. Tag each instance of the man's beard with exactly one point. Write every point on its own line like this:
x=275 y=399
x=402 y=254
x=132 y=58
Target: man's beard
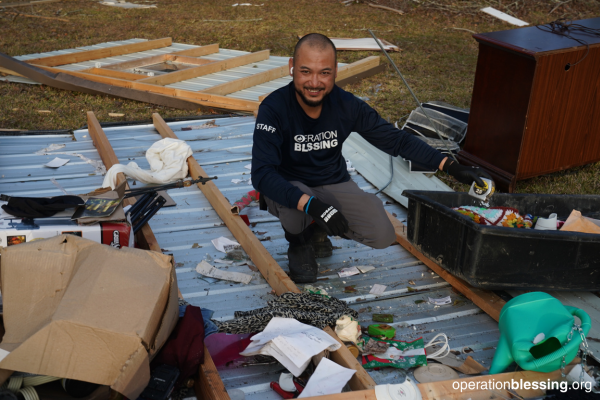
x=310 y=103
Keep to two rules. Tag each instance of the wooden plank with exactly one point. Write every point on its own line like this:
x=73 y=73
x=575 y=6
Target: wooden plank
x=488 y=301
x=115 y=74
x=199 y=51
x=208 y=68
x=357 y=67
x=87 y=55
x=248 y=81
x=270 y=270
x=203 y=99
x=213 y=387
x=9 y=72
x=188 y=60
x=348 y=71
x=123 y=65
x=360 y=76
x=209 y=385
x=447 y=389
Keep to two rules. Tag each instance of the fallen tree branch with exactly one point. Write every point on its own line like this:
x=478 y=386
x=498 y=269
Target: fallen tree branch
x=386 y=8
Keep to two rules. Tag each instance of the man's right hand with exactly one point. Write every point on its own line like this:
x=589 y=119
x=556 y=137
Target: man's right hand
x=328 y=217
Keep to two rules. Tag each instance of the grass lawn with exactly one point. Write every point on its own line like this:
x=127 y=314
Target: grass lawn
x=438 y=54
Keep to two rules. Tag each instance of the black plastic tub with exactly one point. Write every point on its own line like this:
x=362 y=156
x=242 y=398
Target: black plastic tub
x=494 y=257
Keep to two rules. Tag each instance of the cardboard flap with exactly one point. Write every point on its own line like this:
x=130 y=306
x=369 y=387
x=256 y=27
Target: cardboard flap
x=66 y=349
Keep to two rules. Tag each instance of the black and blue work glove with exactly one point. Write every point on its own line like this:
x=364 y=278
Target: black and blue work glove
x=465 y=174
x=328 y=217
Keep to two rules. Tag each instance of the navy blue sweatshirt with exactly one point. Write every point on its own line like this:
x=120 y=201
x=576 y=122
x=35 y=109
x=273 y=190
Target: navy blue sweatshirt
x=291 y=146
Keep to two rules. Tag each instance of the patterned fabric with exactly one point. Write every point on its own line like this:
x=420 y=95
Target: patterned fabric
x=307 y=308
x=497 y=216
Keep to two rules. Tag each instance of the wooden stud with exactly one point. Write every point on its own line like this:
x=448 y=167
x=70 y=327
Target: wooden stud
x=87 y=55
x=488 y=301
x=115 y=74
x=130 y=64
x=268 y=267
x=248 y=81
x=9 y=72
x=199 y=51
x=203 y=99
x=348 y=71
x=211 y=68
x=212 y=385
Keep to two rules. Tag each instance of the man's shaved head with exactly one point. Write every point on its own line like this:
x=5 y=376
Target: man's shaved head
x=316 y=41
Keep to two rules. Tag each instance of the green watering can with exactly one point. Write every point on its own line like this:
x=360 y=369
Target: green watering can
x=533 y=333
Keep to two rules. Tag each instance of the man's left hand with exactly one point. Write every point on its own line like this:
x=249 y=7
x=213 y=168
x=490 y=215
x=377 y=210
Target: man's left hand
x=464 y=174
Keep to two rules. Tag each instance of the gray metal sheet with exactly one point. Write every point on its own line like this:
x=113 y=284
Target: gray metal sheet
x=187 y=229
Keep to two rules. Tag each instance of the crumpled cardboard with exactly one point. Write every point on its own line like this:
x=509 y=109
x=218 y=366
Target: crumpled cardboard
x=578 y=223
x=77 y=309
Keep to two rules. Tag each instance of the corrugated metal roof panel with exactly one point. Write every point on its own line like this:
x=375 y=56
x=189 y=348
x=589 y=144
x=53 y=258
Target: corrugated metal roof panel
x=187 y=229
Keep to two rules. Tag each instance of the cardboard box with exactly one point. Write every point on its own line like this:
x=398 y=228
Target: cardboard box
x=74 y=308
x=17 y=231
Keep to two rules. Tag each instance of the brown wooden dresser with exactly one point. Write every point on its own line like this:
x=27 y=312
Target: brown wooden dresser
x=532 y=113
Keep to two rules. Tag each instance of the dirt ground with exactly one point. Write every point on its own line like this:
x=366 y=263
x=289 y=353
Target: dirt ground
x=438 y=54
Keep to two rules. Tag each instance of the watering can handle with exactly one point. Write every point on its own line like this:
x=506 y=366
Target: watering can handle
x=564 y=350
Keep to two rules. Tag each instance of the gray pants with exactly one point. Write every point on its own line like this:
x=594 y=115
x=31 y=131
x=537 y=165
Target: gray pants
x=366 y=216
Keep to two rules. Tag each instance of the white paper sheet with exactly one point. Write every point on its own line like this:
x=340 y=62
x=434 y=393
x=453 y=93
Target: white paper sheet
x=206 y=269
x=344 y=272
x=378 y=289
x=365 y=268
x=291 y=342
x=328 y=378
x=57 y=162
x=224 y=245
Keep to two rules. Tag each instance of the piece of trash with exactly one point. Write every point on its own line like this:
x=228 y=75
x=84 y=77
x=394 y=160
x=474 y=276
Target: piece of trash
x=362 y=44
x=328 y=378
x=411 y=289
x=419 y=301
x=441 y=301
x=124 y=4
x=224 y=245
x=116 y=114
x=378 y=289
x=350 y=289
x=57 y=162
x=382 y=331
x=458 y=303
x=252 y=267
x=387 y=318
x=344 y=272
x=44 y=111
x=249 y=166
x=375 y=347
x=237 y=254
x=206 y=125
x=206 y=269
x=222 y=261
x=411 y=282
x=246 y=4
x=196 y=246
x=237 y=181
x=320 y=290
x=503 y=16
x=291 y=342
x=365 y=268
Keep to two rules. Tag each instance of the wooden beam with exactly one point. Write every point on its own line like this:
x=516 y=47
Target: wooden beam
x=87 y=55
x=270 y=270
x=348 y=71
x=488 y=301
x=248 y=81
x=123 y=65
x=9 y=72
x=360 y=76
x=209 y=378
x=199 y=51
x=130 y=76
x=211 y=68
x=446 y=390
x=203 y=99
